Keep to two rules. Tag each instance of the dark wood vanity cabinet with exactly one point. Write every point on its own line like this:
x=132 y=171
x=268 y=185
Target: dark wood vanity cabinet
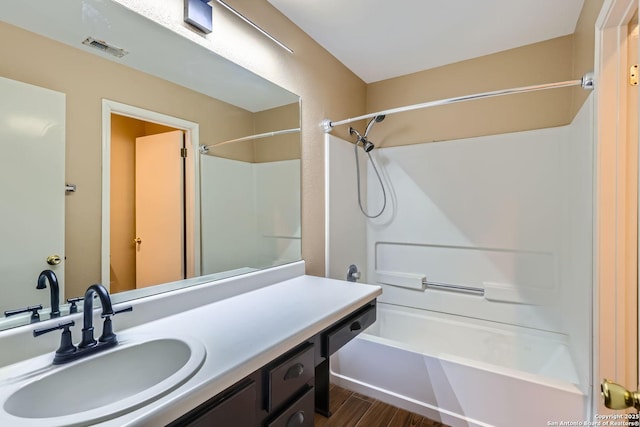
x=287 y=391
x=233 y=407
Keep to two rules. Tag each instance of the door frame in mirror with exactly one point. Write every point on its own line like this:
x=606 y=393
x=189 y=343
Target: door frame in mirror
x=192 y=135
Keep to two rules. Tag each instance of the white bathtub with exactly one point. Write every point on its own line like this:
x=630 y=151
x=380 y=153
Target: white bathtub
x=463 y=372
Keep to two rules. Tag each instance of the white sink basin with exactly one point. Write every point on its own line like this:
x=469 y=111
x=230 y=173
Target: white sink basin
x=105 y=385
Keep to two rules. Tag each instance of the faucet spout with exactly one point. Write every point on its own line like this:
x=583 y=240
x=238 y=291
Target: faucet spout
x=50 y=276
x=107 y=310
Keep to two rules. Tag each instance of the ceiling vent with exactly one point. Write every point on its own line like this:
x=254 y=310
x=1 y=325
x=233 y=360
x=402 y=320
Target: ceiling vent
x=105 y=47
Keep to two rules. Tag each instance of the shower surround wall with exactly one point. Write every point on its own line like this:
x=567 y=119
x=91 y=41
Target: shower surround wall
x=510 y=215
x=260 y=223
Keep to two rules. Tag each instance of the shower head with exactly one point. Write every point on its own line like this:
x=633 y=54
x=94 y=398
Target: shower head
x=366 y=144
x=376 y=119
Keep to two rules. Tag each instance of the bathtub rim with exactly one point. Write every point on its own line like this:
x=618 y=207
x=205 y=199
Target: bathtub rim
x=538 y=378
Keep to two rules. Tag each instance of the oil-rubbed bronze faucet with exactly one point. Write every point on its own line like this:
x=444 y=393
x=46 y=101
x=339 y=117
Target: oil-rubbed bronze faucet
x=107 y=311
x=617 y=397
x=67 y=352
x=50 y=276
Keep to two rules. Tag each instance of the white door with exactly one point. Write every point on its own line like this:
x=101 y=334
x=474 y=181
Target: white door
x=159 y=205
x=32 y=191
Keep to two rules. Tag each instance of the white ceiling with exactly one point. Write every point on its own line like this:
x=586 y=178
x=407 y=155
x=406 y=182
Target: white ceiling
x=381 y=39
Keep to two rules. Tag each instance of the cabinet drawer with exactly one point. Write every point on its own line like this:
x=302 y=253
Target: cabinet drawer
x=348 y=329
x=236 y=408
x=299 y=414
x=289 y=376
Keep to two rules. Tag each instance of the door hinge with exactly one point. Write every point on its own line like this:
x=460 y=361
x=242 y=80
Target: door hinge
x=633 y=75
x=183 y=152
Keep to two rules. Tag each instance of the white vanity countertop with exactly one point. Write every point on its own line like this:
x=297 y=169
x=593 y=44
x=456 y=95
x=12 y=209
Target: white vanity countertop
x=241 y=334
x=245 y=332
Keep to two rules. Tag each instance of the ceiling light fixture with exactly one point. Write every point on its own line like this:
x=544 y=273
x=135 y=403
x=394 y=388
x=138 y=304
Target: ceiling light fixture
x=198 y=14
x=248 y=21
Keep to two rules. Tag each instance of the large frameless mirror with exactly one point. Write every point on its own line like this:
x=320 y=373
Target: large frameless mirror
x=166 y=167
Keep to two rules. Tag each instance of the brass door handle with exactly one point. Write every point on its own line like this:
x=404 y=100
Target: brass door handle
x=617 y=397
x=54 y=259
x=137 y=240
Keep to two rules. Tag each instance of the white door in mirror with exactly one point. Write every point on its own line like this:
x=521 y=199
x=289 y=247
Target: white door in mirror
x=32 y=190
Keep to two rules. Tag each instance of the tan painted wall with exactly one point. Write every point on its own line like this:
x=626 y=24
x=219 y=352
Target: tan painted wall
x=280 y=147
x=268 y=149
x=544 y=62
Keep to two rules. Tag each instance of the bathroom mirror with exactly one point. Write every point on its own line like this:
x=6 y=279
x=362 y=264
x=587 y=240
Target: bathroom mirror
x=246 y=193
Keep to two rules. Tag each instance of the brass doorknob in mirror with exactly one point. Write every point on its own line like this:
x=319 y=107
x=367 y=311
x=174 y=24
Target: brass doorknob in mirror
x=617 y=397
x=137 y=240
x=54 y=259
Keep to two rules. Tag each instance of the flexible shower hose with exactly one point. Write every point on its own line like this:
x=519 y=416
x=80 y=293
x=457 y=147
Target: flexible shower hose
x=384 y=194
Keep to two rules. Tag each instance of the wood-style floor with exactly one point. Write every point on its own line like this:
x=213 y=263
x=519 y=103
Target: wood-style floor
x=351 y=409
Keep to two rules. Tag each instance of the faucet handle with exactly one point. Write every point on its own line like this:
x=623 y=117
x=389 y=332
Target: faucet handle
x=42 y=331
x=124 y=309
x=73 y=301
x=35 y=316
x=107 y=327
x=66 y=344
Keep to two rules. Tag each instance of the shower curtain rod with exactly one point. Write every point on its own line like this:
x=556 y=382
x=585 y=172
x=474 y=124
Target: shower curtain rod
x=204 y=149
x=586 y=82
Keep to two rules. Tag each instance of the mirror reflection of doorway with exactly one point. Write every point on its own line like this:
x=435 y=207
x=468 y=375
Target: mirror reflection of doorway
x=148 y=235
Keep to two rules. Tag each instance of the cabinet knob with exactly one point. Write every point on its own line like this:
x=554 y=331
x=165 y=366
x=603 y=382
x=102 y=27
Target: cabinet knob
x=137 y=240
x=355 y=326
x=294 y=372
x=296 y=419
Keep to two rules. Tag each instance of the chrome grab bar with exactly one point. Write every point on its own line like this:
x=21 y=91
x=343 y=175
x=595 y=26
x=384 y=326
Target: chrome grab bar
x=420 y=282
x=454 y=288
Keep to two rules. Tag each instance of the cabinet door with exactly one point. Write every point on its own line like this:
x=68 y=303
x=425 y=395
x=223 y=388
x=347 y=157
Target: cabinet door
x=234 y=410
